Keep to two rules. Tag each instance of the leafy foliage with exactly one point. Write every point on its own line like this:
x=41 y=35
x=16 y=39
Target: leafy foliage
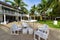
x=19 y=4
x=33 y=9
x=51 y=5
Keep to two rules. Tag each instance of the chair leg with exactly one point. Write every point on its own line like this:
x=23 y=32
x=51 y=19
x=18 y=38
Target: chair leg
x=45 y=39
x=39 y=38
x=14 y=32
x=34 y=36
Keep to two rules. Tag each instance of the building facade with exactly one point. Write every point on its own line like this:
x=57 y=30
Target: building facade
x=8 y=13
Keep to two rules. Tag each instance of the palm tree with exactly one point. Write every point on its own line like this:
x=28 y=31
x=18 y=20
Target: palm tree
x=47 y=6
x=17 y=3
x=52 y=6
x=33 y=9
x=42 y=7
x=55 y=7
x=24 y=10
x=11 y=3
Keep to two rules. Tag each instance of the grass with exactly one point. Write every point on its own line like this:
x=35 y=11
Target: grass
x=50 y=24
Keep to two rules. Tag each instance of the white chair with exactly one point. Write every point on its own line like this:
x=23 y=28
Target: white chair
x=38 y=34
x=30 y=30
x=42 y=32
x=24 y=24
x=14 y=29
x=46 y=32
x=45 y=28
x=24 y=30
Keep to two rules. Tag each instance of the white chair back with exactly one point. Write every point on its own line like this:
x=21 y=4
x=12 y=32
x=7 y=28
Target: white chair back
x=14 y=27
x=45 y=27
x=30 y=30
x=44 y=32
x=24 y=24
x=24 y=31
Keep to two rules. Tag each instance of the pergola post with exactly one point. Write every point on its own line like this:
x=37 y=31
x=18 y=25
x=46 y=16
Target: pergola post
x=4 y=18
x=17 y=18
x=21 y=17
x=28 y=17
x=34 y=17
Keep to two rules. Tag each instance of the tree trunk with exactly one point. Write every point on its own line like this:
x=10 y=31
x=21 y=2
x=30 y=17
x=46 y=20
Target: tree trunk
x=40 y=17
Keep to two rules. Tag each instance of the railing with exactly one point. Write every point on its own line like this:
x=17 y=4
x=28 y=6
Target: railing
x=0 y=11
x=10 y=12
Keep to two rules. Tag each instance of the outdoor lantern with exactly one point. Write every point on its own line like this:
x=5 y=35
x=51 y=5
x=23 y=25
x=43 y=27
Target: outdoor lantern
x=55 y=22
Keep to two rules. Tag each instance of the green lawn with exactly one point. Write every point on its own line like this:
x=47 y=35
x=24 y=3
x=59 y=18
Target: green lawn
x=50 y=23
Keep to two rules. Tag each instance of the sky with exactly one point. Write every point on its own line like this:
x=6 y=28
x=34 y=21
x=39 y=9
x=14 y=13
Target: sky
x=30 y=3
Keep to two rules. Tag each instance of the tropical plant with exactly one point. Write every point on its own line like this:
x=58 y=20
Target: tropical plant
x=33 y=10
x=24 y=10
x=56 y=8
x=47 y=6
x=17 y=3
x=42 y=7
